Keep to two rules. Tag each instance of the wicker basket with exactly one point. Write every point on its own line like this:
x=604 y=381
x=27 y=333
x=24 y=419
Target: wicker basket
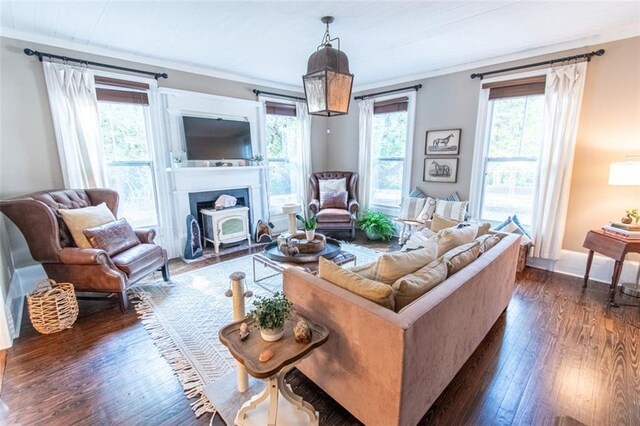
x=523 y=255
x=52 y=307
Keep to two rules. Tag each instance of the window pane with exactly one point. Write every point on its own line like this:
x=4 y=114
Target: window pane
x=509 y=188
x=389 y=138
x=516 y=127
x=123 y=131
x=282 y=147
x=134 y=184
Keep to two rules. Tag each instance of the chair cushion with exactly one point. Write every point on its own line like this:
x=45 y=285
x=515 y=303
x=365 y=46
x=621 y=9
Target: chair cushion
x=77 y=220
x=333 y=215
x=333 y=199
x=114 y=237
x=137 y=258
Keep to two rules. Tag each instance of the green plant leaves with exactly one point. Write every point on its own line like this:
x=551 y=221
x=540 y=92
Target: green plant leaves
x=271 y=312
x=376 y=225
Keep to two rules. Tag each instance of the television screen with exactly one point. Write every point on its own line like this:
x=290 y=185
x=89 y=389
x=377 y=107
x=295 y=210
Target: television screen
x=217 y=139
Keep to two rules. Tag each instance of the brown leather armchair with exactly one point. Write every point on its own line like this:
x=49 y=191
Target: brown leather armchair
x=332 y=219
x=88 y=269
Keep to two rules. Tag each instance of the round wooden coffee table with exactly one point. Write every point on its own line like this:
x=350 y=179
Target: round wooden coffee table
x=276 y=404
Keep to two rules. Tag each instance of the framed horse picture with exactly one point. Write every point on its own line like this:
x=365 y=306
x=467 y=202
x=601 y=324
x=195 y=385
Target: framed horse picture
x=442 y=142
x=440 y=170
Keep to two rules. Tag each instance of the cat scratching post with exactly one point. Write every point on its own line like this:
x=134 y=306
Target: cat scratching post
x=238 y=294
x=292 y=209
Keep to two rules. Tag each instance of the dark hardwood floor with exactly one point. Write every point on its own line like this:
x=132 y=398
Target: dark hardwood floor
x=558 y=356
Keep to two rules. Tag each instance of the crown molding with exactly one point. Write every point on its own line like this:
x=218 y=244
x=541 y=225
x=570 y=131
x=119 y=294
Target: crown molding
x=166 y=64
x=619 y=34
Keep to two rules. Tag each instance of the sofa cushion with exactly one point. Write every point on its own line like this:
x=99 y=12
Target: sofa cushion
x=334 y=199
x=392 y=266
x=461 y=256
x=113 y=237
x=451 y=238
x=333 y=215
x=483 y=228
x=487 y=241
x=332 y=184
x=413 y=286
x=438 y=223
x=137 y=258
x=368 y=271
x=377 y=292
x=77 y=220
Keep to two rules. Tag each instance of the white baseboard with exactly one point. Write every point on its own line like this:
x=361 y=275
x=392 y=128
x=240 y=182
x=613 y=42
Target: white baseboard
x=574 y=263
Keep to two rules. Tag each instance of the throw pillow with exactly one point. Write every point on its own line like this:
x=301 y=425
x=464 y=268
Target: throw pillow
x=487 y=241
x=379 y=293
x=411 y=208
x=512 y=228
x=438 y=223
x=77 y=220
x=392 y=266
x=451 y=238
x=418 y=239
x=333 y=185
x=516 y=220
x=368 y=271
x=455 y=210
x=417 y=193
x=113 y=237
x=483 y=228
x=454 y=196
x=427 y=211
x=461 y=256
x=333 y=199
x=413 y=286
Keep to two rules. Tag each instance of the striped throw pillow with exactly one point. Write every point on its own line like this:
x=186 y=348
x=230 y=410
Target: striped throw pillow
x=411 y=208
x=455 y=210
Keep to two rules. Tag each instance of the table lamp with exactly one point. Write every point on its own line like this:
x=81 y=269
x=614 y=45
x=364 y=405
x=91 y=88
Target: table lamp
x=627 y=173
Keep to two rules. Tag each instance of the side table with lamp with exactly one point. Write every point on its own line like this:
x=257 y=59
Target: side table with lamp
x=619 y=238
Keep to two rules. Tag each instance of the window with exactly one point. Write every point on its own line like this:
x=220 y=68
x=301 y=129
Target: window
x=282 y=147
x=514 y=139
x=388 y=147
x=128 y=157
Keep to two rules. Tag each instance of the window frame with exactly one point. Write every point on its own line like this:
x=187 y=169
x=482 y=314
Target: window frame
x=408 y=151
x=482 y=142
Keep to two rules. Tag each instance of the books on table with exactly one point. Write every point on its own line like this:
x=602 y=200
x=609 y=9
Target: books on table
x=626 y=226
x=620 y=232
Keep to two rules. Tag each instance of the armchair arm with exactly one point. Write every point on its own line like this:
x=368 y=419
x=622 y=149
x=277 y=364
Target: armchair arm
x=314 y=206
x=84 y=256
x=353 y=207
x=146 y=236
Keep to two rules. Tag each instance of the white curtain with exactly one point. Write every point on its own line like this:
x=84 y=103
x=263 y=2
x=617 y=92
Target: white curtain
x=74 y=109
x=563 y=98
x=304 y=149
x=364 y=151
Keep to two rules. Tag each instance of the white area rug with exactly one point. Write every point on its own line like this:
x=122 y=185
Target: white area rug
x=183 y=318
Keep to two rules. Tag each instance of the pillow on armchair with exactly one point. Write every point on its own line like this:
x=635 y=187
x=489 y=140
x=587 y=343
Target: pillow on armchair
x=334 y=199
x=77 y=220
x=114 y=237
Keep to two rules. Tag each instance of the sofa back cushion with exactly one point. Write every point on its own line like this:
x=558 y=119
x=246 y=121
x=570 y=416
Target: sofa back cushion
x=415 y=285
x=487 y=241
x=77 y=220
x=461 y=256
x=438 y=223
x=391 y=266
x=113 y=237
x=377 y=292
x=451 y=238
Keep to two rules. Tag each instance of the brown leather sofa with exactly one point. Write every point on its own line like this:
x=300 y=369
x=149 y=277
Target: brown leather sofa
x=332 y=219
x=88 y=269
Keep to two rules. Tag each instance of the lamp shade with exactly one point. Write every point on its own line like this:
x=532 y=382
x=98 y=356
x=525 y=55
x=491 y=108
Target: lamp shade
x=624 y=173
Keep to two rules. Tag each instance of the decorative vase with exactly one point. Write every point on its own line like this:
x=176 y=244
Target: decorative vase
x=626 y=220
x=271 y=334
x=311 y=235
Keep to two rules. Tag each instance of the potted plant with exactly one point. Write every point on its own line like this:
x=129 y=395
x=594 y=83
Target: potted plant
x=270 y=314
x=377 y=226
x=258 y=158
x=309 y=226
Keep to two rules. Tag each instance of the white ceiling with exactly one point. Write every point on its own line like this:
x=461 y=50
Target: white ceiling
x=269 y=42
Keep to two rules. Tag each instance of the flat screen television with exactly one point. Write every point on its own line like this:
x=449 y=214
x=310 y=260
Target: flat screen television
x=217 y=139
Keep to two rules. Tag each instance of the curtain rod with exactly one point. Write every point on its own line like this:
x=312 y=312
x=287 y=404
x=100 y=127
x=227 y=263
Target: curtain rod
x=30 y=52
x=402 y=89
x=585 y=56
x=259 y=92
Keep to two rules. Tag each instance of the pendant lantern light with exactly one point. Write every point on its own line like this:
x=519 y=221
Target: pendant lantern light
x=328 y=83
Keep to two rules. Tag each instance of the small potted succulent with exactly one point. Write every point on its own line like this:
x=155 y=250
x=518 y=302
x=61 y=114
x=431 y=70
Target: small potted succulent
x=270 y=314
x=309 y=226
x=377 y=226
x=631 y=216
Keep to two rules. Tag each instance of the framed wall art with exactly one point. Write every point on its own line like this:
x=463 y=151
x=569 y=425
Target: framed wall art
x=442 y=142
x=440 y=170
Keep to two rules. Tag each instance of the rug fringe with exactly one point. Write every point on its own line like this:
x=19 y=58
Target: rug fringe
x=187 y=376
